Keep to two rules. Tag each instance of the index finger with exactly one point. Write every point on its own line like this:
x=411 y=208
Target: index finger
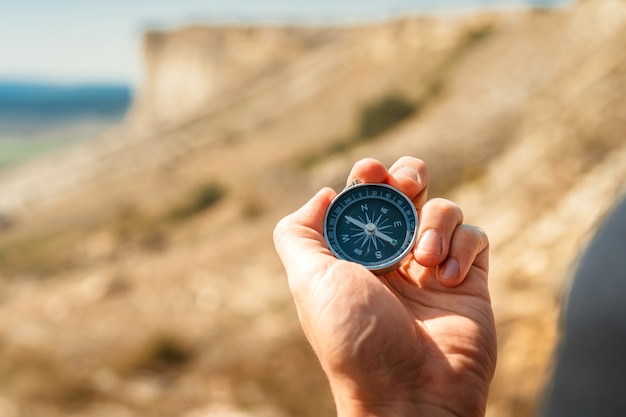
x=407 y=174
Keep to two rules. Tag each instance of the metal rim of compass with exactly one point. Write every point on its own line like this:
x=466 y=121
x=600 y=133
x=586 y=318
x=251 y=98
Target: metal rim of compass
x=391 y=263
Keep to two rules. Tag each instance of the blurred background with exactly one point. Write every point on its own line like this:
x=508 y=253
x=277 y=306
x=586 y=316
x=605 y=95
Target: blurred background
x=147 y=150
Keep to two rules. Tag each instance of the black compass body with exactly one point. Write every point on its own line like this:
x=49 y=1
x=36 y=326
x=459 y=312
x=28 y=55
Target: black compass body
x=374 y=225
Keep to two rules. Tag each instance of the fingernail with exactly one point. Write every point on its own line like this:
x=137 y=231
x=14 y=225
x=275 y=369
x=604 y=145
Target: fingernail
x=407 y=172
x=430 y=243
x=450 y=269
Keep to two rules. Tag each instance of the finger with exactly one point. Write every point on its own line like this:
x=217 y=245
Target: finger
x=469 y=247
x=368 y=170
x=410 y=175
x=438 y=221
x=299 y=236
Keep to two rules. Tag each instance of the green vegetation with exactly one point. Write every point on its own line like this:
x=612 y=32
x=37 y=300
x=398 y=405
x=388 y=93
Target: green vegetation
x=13 y=151
x=135 y=227
x=382 y=115
x=252 y=208
x=131 y=226
x=389 y=110
x=37 y=256
x=38 y=377
x=46 y=254
x=476 y=35
x=374 y=119
x=161 y=353
x=200 y=199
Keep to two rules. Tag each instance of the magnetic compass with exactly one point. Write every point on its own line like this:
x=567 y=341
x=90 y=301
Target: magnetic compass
x=374 y=225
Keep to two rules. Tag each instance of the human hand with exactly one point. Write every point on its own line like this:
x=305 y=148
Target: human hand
x=418 y=341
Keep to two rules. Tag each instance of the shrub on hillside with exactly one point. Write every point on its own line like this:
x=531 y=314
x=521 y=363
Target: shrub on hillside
x=199 y=200
x=383 y=114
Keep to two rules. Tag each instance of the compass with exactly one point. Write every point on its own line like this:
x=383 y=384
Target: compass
x=374 y=225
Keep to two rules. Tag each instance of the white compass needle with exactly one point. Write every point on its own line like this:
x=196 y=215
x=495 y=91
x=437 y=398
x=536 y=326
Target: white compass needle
x=356 y=222
x=386 y=238
x=377 y=233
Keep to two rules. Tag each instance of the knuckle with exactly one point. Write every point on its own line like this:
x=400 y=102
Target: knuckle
x=481 y=232
x=366 y=161
x=475 y=237
x=416 y=163
x=446 y=207
x=478 y=231
x=280 y=230
x=484 y=237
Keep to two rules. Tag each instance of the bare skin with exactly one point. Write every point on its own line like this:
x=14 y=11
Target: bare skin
x=419 y=341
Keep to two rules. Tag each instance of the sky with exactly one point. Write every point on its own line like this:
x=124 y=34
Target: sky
x=76 y=41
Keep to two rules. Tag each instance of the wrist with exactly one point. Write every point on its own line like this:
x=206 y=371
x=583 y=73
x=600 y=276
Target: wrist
x=399 y=400
x=355 y=408
x=352 y=399
x=351 y=408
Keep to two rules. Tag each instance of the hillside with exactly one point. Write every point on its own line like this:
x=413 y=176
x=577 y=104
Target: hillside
x=137 y=273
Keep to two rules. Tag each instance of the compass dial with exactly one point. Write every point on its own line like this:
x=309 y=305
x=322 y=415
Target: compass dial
x=372 y=224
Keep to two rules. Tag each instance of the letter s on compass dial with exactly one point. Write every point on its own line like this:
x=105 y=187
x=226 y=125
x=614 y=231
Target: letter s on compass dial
x=374 y=225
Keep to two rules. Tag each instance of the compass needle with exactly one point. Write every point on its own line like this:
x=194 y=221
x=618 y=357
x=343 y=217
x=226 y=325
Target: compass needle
x=384 y=237
x=356 y=222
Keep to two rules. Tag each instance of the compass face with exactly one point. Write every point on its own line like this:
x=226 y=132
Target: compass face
x=372 y=224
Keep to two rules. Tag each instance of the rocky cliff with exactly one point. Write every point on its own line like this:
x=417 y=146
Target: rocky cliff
x=137 y=271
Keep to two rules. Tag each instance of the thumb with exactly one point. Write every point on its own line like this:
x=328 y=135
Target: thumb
x=299 y=237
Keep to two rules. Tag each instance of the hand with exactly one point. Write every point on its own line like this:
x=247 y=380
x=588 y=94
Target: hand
x=419 y=341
